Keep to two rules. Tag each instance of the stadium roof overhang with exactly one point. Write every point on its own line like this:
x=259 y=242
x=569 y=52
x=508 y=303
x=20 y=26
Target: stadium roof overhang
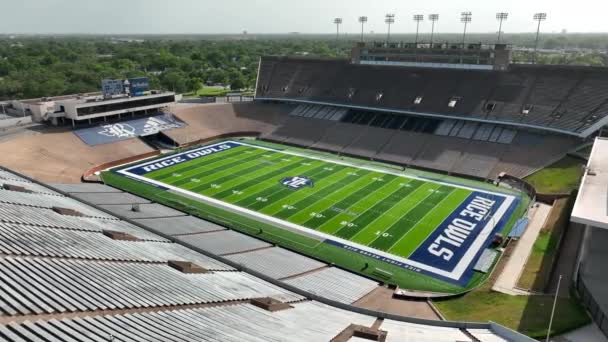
x=591 y=206
x=582 y=134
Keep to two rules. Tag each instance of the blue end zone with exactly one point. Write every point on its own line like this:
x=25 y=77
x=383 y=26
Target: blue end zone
x=423 y=256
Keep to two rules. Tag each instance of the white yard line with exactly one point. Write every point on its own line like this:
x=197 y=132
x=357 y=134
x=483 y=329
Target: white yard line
x=456 y=274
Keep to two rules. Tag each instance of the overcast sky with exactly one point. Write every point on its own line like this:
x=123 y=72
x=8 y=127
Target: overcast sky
x=280 y=16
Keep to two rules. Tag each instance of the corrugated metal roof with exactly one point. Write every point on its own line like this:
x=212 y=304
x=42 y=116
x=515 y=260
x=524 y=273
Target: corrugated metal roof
x=403 y=331
x=145 y=210
x=180 y=225
x=64 y=285
x=30 y=186
x=17 y=239
x=84 y=187
x=276 y=262
x=334 y=283
x=242 y=322
x=223 y=242
x=4 y=174
x=110 y=198
x=49 y=201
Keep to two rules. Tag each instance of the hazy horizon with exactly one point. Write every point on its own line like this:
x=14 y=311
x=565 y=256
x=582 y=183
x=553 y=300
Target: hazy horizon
x=306 y=17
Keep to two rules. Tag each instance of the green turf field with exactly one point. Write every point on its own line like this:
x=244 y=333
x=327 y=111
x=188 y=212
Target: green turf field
x=374 y=212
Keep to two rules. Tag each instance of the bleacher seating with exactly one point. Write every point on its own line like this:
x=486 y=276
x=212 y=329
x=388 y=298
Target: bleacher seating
x=557 y=97
x=71 y=278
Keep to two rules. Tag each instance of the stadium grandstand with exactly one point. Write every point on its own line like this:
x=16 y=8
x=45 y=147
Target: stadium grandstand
x=477 y=123
x=92 y=252
x=74 y=272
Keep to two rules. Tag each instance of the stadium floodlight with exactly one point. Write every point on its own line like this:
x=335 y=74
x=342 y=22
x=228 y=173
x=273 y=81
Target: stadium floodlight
x=540 y=17
x=418 y=18
x=433 y=18
x=389 y=19
x=501 y=16
x=338 y=22
x=465 y=18
x=362 y=20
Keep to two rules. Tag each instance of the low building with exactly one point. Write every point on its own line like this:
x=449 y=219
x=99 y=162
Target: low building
x=91 y=107
x=591 y=212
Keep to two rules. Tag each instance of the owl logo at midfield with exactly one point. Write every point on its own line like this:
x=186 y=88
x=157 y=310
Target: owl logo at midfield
x=297 y=182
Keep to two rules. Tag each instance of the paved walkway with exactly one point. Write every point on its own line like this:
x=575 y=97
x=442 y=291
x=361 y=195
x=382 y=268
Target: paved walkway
x=588 y=333
x=507 y=280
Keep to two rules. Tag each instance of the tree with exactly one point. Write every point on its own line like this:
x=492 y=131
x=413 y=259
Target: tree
x=194 y=84
x=237 y=83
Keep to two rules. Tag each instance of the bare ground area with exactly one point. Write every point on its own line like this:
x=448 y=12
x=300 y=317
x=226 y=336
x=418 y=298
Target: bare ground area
x=57 y=155
x=381 y=299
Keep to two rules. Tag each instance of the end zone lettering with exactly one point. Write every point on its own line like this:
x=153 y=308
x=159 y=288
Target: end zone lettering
x=181 y=158
x=453 y=238
x=460 y=228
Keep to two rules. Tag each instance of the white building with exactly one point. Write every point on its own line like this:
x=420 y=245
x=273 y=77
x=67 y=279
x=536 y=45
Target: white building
x=92 y=106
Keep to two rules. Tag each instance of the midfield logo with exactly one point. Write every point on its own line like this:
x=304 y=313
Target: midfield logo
x=297 y=182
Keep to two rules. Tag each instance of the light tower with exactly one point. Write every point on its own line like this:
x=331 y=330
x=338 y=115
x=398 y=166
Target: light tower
x=540 y=17
x=466 y=18
x=418 y=18
x=501 y=16
x=433 y=18
x=338 y=22
x=362 y=20
x=389 y=20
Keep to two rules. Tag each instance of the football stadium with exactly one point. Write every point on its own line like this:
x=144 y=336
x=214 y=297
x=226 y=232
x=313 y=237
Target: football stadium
x=424 y=226
x=408 y=192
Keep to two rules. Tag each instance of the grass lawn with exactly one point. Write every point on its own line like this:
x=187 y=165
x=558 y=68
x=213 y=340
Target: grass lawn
x=540 y=262
x=526 y=314
x=560 y=177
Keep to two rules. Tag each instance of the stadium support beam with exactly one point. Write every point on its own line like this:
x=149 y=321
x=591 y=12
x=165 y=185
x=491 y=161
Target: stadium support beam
x=433 y=18
x=362 y=20
x=418 y=18
x=389 y=20
x=540 y=17
x=501 y=16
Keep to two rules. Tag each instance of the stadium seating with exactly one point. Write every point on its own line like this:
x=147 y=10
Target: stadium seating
x=71 y=278
x=551 y=94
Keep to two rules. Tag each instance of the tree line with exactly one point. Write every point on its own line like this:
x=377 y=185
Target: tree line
x=48 y=66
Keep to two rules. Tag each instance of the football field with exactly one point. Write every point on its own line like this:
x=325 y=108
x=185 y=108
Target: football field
x=422 y=225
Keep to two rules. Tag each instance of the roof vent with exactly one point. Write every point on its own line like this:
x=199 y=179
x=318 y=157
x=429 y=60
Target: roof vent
x=270 y=304
x=360 y=331
x=66 y=211
x=527 y=109
x=16 y=188
x=453 y=102
x=379 y=96
x=418 y=100
x=490 y=106
x=135 y=208
x=120 y=236
x=186 y=266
